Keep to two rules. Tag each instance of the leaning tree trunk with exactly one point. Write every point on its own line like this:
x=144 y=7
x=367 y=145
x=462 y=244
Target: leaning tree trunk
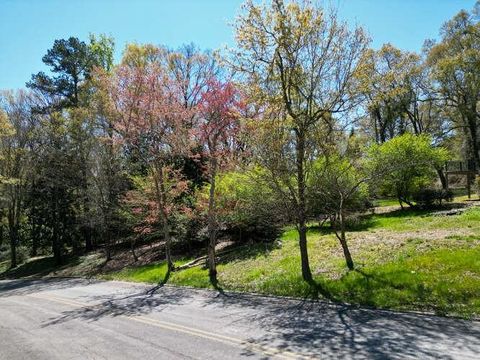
x=443 y=178
x=302 y=213
x=212 y=224
x=343 y=239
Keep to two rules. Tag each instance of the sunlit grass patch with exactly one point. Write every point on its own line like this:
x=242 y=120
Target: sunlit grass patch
x=443 y=281
x=386 y=202
x=4 y=266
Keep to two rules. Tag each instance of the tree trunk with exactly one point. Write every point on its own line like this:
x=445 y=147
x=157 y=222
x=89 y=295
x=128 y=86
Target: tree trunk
x=13 y=224
x=56 y=245
x=443 y=178
x=1 y=235
x=87 y=234
x=132 y=249
x=302 y=234
x=400 y=199
x=166 y=234
x=13 y=239
x=212 y=224
x=343 y=241
x=476 y=154
x=13 y=252
x=472 y=127
x=108 y=247
x=34 y=235
x=161 y=199
x=86 y=228
x=34 y=224
x=302 y=218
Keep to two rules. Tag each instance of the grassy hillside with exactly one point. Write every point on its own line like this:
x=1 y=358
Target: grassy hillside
x=408 y=260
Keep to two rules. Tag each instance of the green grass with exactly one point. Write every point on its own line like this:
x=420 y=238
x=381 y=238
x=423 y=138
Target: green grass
x=430 y=274
x=386 y=202
x=155 y=273
x=412 y=220
x=4 y=266
x=445 y=281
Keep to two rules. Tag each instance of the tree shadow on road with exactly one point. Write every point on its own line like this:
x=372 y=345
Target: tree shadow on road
x=131 y=300
x=141 y=302
x=317 y=328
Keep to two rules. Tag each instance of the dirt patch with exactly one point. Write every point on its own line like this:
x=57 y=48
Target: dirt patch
x=382 y=245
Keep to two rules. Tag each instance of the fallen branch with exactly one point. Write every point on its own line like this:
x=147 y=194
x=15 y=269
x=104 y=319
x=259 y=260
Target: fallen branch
x=190 y=264
x=197 y=261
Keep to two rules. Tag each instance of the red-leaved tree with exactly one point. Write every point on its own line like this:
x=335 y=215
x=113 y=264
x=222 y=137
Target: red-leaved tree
x=149 y=118
x=218 y=126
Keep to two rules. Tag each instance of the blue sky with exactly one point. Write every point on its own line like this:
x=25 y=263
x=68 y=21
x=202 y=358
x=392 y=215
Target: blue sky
x=29 y=27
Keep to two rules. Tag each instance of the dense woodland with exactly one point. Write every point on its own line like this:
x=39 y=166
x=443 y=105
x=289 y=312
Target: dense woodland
x=301 y=121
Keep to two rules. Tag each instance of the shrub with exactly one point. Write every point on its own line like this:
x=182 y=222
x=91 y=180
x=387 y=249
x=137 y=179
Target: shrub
x=405 y=165
x=428 y=198
x=247 y=210
x=332 y=180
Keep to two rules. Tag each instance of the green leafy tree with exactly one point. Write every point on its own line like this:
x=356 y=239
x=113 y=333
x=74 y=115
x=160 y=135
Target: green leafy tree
x=57 y=174
x=405 y=164
x=71 y=62
x=300 y=61
x=399 y=96
x=383 y=82
x=247 y=208
x=339 y=188
x=455 y=69
x=15 y=164
x=68 y=90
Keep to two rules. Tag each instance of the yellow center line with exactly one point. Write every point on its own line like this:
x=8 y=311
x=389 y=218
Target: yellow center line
x=271 y=351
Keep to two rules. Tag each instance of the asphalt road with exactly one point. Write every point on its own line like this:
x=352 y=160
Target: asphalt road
x=81 y=319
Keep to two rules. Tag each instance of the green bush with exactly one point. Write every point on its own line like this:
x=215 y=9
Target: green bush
x=247 y=209
x=335 y=178
x=405 y=165
x=429 y=198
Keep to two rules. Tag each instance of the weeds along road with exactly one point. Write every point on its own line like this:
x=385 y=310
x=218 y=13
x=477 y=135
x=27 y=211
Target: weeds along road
x=81 y=319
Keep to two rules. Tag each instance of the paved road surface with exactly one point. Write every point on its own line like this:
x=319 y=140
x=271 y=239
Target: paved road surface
x=81 y=319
